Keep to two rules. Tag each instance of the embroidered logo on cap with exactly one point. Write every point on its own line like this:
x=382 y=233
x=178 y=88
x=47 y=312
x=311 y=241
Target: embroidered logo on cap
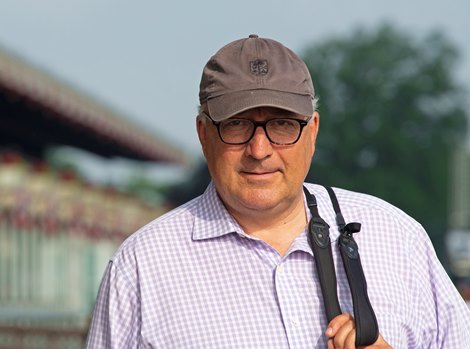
x=259 y=67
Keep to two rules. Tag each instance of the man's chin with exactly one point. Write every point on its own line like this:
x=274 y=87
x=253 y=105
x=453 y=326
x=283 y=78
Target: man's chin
x=260 y=198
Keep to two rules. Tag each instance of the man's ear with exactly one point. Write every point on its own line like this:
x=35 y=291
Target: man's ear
x=314 y=127
x=201 y=132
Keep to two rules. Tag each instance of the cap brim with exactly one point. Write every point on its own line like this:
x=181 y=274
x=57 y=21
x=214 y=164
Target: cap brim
x=230 y=104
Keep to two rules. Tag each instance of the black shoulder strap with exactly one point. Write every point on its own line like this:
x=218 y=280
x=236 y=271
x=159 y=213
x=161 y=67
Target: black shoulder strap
x=319 y=238
x=367 y=330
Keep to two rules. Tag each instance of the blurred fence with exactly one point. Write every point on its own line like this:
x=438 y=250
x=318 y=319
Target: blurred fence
x=57 y=234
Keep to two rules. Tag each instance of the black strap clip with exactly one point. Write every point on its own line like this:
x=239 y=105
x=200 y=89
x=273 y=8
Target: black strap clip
x=320 y=232
x=346 y=240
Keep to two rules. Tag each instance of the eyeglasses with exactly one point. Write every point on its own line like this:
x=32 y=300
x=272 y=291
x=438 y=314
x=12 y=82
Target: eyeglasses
x=280 y=131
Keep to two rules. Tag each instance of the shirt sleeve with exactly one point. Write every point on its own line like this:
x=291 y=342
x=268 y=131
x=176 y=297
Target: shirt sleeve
x=444 y=317
x=116 y=316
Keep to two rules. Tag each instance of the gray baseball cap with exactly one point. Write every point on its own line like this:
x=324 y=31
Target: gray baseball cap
x=255 y=72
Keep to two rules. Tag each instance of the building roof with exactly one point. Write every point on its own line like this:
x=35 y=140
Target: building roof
x=39 y=111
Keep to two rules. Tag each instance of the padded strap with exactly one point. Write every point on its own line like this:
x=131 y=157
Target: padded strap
x=319 y=238
x=367 y=329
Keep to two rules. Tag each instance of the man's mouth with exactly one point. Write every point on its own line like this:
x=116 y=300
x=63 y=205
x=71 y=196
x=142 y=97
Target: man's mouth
x=259 y=173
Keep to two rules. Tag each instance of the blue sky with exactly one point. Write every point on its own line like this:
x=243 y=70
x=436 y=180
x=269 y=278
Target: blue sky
x=144 y=58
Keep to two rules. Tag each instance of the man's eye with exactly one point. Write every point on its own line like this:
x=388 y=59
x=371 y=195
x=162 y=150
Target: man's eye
x=235 y=123
x=284 y=123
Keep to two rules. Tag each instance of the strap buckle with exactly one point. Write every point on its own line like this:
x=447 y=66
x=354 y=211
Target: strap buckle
x=320 y=232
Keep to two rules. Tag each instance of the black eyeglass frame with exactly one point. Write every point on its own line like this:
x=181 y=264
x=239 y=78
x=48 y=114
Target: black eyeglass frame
x=262 y=124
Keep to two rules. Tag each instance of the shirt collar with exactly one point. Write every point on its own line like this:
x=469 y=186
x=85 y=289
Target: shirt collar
x=212 y=218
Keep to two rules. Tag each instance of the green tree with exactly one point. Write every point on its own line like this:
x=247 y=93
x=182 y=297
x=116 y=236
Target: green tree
x=391 y=113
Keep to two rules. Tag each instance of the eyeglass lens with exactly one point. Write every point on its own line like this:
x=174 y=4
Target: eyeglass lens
x=279 y=131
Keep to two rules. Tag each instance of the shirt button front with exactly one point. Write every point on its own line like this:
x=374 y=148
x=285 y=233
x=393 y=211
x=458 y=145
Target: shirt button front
x=294 y=320
x=280 y=269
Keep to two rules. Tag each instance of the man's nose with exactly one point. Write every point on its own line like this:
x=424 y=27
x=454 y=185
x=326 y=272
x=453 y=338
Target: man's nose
x=259 y=146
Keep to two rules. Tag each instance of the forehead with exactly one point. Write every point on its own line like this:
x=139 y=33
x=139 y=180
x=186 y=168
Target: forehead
x=267 y=112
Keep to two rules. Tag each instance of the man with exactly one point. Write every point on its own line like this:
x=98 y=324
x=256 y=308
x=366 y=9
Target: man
x=234 y=268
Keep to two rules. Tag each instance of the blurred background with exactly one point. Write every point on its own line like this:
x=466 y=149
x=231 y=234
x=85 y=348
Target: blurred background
x=97 y=129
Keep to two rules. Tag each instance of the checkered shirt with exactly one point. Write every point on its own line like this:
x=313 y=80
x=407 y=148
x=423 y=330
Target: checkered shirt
x=194 y=279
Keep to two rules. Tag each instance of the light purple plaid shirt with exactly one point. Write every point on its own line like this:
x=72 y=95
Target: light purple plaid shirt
x=193 y=279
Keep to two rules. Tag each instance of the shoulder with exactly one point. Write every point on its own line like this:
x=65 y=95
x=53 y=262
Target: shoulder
x=163 y=233
x=369 y=209
x=349 y=198
x=171 y=235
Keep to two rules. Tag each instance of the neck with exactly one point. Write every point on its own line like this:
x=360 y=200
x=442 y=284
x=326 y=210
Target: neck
x=277 y=227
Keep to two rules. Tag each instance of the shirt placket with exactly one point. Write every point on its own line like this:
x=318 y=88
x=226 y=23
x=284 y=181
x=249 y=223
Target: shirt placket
x=293 y=299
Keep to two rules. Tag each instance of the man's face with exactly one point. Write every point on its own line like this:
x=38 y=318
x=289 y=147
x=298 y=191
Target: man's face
x=258 y=175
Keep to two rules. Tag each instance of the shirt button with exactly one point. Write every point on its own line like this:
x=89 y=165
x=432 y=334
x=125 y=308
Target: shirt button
x=280 y=269
x=294 y=320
